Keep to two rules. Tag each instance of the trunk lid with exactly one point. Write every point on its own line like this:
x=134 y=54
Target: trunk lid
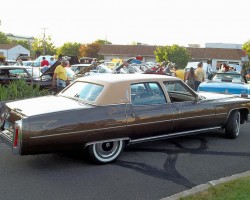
x=44 y=105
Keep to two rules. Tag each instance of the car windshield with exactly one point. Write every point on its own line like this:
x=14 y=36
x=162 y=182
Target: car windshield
x=85 y=91
x=225 y=77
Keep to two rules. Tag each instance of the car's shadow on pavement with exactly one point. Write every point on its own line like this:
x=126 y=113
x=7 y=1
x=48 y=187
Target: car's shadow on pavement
x=133 y=157
x=172 y=148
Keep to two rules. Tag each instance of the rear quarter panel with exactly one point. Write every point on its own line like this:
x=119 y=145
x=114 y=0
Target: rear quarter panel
x=73 y=129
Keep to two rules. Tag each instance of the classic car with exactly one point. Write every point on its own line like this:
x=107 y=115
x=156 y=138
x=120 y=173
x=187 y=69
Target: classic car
x=102 y=114
x=100 y=69
x=110 y=65
x=31 y=63
x=11 y=62
x=86 y=60
x=79 y=67
x=230 y=82
x=32 y=75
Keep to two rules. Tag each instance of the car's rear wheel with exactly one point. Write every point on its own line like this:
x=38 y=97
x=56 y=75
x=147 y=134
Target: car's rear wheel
x=232 y=128
x=105 y=152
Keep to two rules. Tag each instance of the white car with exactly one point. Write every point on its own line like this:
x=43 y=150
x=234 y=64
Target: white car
x=110 y=65
x=32 y=63
x=78 y=67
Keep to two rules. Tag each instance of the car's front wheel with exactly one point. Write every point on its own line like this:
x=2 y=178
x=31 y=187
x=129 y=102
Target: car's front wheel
x=232 y=128
x=105 y=152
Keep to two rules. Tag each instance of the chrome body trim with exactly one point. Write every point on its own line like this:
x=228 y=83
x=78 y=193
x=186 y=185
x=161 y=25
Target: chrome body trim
x=68 y=133
x=171 y=135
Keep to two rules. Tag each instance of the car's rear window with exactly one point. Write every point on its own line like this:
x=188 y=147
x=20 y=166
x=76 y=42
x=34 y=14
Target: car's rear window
x=84 y=91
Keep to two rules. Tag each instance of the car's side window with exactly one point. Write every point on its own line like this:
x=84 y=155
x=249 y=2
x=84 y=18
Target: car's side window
x=147 y=94
x=178 y=91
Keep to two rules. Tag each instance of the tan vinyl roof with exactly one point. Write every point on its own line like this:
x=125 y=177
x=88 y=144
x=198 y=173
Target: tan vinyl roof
x=125 y=78
x=117 y=86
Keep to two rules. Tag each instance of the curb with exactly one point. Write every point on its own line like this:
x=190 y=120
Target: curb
x=205 y=186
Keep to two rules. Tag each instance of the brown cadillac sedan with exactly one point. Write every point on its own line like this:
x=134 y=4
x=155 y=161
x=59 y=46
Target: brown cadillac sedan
x=103 y=113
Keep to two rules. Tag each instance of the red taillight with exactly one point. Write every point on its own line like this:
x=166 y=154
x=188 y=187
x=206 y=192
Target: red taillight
x=15 y=143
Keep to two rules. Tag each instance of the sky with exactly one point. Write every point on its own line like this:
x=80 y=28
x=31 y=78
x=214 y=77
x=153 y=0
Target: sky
x=152 y=22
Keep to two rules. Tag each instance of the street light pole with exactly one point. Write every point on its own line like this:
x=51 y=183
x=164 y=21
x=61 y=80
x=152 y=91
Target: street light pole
x=44 y=43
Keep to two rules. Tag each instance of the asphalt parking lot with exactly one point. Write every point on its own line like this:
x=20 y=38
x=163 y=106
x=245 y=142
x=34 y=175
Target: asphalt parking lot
x=152 y=170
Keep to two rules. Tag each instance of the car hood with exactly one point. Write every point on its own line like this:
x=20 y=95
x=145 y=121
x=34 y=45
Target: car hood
x=231 y=88
x=51 y=69
x=44 y=105
x=214 y=96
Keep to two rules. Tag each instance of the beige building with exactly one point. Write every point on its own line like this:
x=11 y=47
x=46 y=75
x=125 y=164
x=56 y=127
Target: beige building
x=217 y=55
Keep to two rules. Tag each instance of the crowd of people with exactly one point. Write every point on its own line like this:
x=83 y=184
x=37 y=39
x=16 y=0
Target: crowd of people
x=192 y=77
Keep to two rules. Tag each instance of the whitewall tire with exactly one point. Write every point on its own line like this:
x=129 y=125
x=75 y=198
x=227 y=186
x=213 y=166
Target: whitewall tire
x=105 y=152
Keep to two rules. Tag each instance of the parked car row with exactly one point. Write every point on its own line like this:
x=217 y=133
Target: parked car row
x=31 y=75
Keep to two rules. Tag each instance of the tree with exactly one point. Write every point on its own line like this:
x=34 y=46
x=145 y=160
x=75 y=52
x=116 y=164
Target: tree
x=4 y=39
x=246 y=47
x=161 y=53
x=102 y=42
x=90 y=50
x=70 y=49
x=37 y=46
x=175 y=54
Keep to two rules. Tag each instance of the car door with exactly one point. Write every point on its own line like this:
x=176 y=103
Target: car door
x=189 y=113
x=149 y=114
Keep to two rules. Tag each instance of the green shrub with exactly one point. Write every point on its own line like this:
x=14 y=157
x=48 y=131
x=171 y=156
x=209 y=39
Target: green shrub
x=20 y=90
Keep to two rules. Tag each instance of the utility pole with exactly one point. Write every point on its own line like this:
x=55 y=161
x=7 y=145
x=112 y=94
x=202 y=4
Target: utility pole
x=44 y=43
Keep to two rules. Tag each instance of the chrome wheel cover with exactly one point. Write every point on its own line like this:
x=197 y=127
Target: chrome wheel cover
x=107 y=151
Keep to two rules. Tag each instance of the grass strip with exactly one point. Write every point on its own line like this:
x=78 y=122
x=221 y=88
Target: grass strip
x=238 y=189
